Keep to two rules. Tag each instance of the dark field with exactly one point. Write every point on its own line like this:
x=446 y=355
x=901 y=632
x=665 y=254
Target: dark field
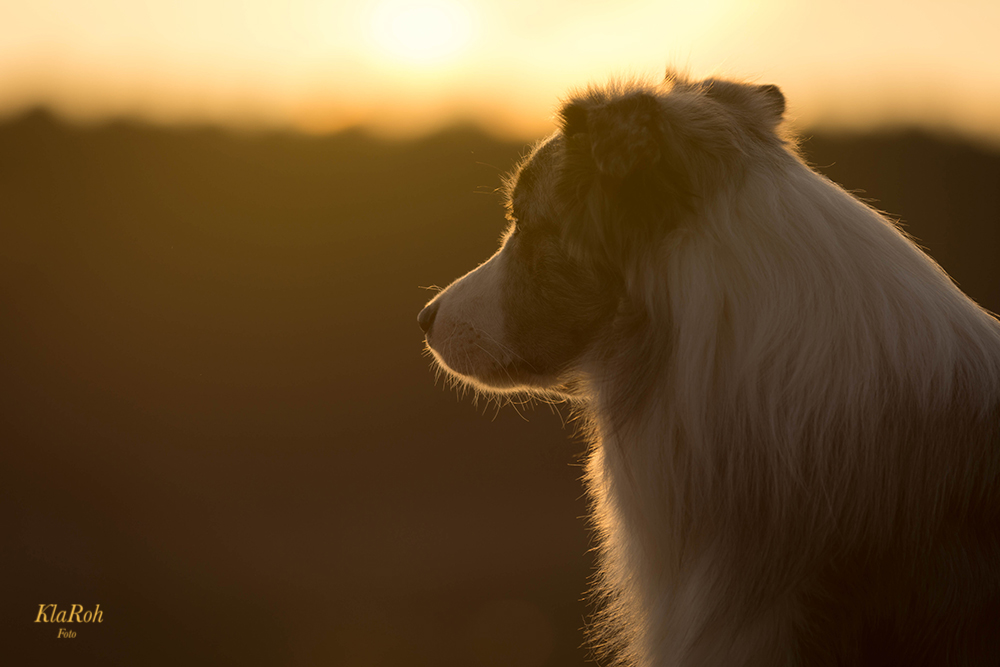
x=217 y=422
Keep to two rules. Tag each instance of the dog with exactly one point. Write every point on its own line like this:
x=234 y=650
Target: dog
x=794 y=413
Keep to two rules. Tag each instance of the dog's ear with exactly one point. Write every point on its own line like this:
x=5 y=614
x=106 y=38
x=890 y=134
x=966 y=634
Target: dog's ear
x=775 y=99
x=623 y=178
x=767 y=101
x=621 y=136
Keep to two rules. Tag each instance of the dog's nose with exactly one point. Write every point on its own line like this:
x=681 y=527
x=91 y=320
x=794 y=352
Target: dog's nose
x=426 y=317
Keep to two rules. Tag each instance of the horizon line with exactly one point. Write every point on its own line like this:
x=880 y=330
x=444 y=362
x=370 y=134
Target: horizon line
x=492 y=131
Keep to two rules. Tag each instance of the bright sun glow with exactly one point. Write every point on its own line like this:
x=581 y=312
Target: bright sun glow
x=421 y=32
x=405 y=66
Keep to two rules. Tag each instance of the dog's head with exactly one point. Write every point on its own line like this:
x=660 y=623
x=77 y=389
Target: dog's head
x=589 y=208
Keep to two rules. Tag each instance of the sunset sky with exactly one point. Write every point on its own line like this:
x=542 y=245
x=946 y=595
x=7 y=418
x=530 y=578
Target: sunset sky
x=408 y=66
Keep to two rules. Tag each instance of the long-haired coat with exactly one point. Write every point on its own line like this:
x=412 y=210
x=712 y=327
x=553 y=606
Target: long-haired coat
x=794 y=413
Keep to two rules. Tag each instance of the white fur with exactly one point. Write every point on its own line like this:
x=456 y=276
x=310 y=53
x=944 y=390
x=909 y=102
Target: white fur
x=816 y=289
x=469 y=322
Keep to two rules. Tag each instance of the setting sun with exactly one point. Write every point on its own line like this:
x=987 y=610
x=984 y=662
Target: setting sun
x=421 y=32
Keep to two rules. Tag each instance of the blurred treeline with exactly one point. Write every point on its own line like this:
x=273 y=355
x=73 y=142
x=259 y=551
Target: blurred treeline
x=217 y=422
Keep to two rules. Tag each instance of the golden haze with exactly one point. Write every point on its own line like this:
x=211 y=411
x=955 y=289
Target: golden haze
x=408 y=66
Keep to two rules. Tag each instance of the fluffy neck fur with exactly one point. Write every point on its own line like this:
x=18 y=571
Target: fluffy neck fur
x=796 y=336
